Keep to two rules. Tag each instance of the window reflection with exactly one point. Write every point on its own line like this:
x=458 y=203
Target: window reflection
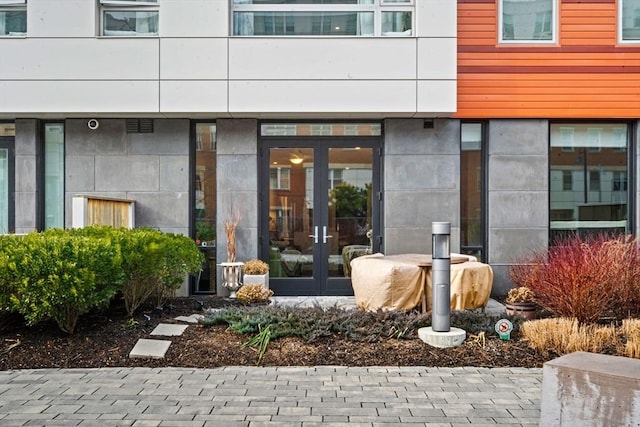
x=588 y=181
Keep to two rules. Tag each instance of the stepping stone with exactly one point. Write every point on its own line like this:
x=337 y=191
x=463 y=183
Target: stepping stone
x=169 y=330
x=149 y=349
x=194 y=318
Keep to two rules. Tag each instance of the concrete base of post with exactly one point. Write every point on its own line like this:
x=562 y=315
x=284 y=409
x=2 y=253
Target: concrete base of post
x=453 y=338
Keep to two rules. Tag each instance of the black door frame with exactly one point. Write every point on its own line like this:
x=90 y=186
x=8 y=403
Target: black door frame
x=319 y=283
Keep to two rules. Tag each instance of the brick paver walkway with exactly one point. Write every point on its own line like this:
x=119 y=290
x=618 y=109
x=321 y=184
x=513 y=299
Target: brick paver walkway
x=262 y=396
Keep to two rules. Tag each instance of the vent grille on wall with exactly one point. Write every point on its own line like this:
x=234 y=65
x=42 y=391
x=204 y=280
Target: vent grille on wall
x=139 y=125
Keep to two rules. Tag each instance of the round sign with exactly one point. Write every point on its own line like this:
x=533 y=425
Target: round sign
x=504 y=328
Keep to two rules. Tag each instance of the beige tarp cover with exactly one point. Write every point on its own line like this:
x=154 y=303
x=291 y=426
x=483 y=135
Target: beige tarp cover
x=397 y=282
x=385 y=283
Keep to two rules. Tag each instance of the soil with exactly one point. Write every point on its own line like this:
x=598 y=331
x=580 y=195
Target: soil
x=104 y=339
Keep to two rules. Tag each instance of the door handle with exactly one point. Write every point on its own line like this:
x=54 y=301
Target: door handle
x=325 y=236
x=315 y=234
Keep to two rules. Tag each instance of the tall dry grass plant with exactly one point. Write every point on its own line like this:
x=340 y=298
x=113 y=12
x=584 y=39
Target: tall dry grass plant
x=230 y=228
x=564 y=335
x=631 y=330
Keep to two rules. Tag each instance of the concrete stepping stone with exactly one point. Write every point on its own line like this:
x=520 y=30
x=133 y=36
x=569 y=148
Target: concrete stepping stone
x=194 y=318
x=169 y=330
x=149 y=349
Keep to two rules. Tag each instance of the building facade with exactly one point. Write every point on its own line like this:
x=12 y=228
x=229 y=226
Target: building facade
x=324 y=129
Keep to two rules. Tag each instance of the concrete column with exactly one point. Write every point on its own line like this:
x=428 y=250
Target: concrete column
x=237 y=188
x=26 y=191
x=518 y=200
x=421 y=183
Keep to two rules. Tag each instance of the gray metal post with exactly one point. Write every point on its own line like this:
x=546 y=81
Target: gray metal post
x=441 y=277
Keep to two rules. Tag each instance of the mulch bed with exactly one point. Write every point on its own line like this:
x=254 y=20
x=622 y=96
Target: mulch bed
x=106 y=338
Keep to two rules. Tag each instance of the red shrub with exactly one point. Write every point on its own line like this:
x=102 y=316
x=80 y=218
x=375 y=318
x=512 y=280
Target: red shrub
x=584 y=278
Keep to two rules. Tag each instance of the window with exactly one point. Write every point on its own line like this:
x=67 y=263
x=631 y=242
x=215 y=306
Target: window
x=204 y=200
x=594 y=180
x=322 y=17
x=592 y=196
x=13 y=18
x=619 y=181
x=528 y=21
x=126 y=18
x=629 y=20
x=471 y=190
x=280 y=178
x=53 y=175
x=7 y=177
x=567 y=180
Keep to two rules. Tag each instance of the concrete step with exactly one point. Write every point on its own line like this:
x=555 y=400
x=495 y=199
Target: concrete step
x=149 y=349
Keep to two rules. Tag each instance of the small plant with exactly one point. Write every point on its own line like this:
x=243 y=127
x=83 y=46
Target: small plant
x=261 y=340
x=253 y=292
x=520 y=294
x=255 y=266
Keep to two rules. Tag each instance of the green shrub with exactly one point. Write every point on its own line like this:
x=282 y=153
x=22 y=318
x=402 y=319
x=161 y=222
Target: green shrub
x=155 y=264
x=60 y=276
x=179 y=257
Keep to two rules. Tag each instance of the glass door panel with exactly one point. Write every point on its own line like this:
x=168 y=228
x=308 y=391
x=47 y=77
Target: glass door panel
x=292 y=227
x=349 y=230
x=7 y=183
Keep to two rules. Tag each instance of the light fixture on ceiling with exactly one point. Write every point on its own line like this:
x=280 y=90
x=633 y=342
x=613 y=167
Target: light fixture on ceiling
x=296 y=159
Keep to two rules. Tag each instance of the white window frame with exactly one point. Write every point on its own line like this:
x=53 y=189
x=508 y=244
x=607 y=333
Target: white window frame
x=377 y=7
x=14 y=6
x=621 y=40
x=282 y=178
x=127 y=6
x=554 y=27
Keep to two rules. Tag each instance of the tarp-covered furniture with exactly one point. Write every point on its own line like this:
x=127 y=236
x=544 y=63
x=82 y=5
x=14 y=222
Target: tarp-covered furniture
x=402 y=282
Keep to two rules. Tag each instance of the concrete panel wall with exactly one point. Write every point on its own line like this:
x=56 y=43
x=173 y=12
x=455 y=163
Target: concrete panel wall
x=26 y=191
x=421 y=183
x=518 y=202
x=152 y=169
x=237 y=188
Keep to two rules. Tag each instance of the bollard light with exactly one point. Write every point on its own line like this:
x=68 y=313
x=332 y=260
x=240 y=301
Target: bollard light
x=441 y=277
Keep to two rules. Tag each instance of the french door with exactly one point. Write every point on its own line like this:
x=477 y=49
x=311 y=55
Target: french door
x=320 y=208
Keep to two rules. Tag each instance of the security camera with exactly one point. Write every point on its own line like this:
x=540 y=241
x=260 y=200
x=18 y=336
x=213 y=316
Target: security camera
x=93 y=124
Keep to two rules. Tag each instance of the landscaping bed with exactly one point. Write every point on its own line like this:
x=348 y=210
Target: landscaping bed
x=105 y=338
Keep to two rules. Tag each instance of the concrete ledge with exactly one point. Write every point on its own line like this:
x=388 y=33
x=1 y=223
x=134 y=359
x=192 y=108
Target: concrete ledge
x=589 y=389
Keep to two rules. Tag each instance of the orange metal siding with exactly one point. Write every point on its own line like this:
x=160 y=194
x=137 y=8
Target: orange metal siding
x=587 y=74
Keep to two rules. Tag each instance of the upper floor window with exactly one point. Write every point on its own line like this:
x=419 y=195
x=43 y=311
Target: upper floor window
x=322 y=17
x=528 y=21
x=629 y=17
x=13 y=18
x=127 y=18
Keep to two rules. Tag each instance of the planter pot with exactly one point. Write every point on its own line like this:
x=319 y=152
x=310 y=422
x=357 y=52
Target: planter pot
x=526 y=310
x=262 y=279
x=232 y=276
